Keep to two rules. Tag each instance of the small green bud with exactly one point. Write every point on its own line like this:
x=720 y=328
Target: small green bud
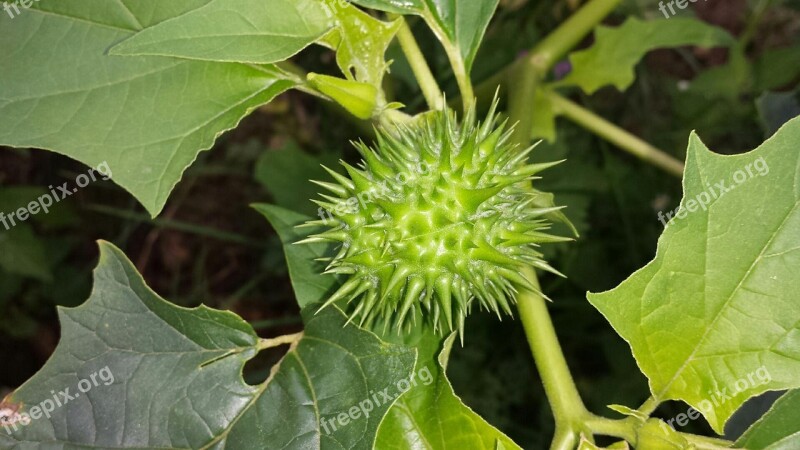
x=359 y=99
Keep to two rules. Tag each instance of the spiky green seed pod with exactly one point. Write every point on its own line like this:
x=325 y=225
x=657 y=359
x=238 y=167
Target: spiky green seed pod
x=439 y=216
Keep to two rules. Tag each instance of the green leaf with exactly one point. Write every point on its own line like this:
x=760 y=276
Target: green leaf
x=655 y=434
x=285 y=172
x=161 y=376
x=22 y=253
x=714 y=319
x=147 y=117
x=360 y=42
x=778 y=429
x=310 y=286
x=616 y=51
x=776 y=68
x=430 y=415
x=457 y=24
x=247 y=31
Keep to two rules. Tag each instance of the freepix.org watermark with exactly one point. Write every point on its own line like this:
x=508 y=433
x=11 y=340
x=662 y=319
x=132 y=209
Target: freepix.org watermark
x=13 y=419
x=376 y=399
x=721 y=396
x=715 y=192
x=356 y=203
x=12 y=9
x=43 y=203
x=682 y=4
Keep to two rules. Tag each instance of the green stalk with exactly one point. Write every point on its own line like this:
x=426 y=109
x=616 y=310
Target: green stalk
x=462 y=77
x=627 y=429
x=616 y=135
x=552 y=48
x=565 y=402
x=623 y=429
x=427 y=82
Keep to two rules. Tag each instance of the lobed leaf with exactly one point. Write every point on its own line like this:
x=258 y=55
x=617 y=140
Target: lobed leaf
x=285 y=172
x=147 y=117
x=305 y=269
x=715 y=319
x=168 y=377
x=360 y=42
x=459 y=24
x=616 y=51
x=430 y=416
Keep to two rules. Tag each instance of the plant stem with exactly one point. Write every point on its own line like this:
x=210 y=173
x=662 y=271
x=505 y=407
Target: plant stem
x=616 y=135
x=752 y=24
x=623 y=429
x=572 y=31
x=649 y=406
x=427 y=82
x=185 y=227
x=552 y=48
x=462 y=77
x=565 y=402
x=525 y=82
x=290 y=339
x=707 y=443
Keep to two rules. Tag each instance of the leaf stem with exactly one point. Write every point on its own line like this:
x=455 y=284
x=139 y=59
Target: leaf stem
x=616 y=135
x=290 y=339
x=623 y=428
x=553 y=47
x=707 y=443
x=565 y=402
x=627 y=429
x=462 y=77
x=427 y=82
x=649 y=406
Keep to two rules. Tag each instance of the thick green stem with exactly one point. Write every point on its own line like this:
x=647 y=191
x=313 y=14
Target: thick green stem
x=565 y=402
x=649 y=406
x=520 y=101
x=616 y=135
x=624 y=429
x=427 y=82
x=528 y=73
x=627 y=428
x=552 y=48
x=572 y=31
x=461 y=74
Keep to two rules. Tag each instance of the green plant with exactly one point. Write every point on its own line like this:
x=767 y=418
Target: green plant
x=145 y=86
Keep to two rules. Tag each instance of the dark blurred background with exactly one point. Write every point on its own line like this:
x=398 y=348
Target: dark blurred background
x=210 y=247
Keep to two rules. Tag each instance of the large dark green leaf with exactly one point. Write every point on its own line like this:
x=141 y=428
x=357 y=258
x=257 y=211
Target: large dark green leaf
x=147 y=117
x=139 y=373
x=310 y=285
x=458 y=24
x=778 y=429
x=715 y=318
